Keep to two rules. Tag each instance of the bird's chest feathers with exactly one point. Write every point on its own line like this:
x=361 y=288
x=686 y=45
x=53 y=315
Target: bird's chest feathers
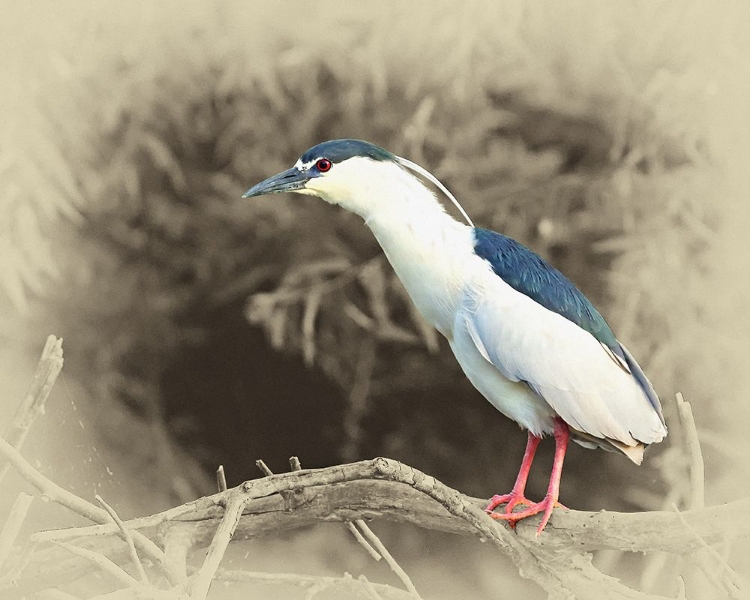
x=432 y=254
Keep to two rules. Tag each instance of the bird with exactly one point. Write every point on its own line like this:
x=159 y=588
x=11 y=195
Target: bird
x=524 y=335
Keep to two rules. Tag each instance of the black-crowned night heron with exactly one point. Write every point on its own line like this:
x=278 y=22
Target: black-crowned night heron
x=525 y=336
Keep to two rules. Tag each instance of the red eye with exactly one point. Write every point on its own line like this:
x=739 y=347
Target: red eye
x=323 y=165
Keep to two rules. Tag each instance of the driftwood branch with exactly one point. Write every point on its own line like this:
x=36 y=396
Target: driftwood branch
x=361 y=532
x=559 y=561
x=55 y=493
x=127 y=537
x=13 y=523
x=32 y=405
x=387 y=489
x=201 y=582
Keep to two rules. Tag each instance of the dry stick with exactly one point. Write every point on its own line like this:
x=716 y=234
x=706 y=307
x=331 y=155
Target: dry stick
x=734 y=586
x=32 y=406
x=127 y=537
x=399 y=492
x=178 y=541
x=697 y=469
x=655 y=568
x=395 y=567
x=49 y=367
x=453 y=501
x=13 y=524
x=361 y=539
x=287 y=495
x=681 y=591
x=263 y=467
x=695 y=494
x=363 y=494
x=369 y=587
x=103 y=562
x=221 y=479
x=50 y=489
x=201 y=582
x=54 y=492
x=295 y=464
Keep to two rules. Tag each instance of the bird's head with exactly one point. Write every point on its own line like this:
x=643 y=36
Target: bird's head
x=356 y=175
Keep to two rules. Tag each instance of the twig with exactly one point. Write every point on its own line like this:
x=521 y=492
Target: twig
x=13 y=524
x=287 y=495
x=356 y=494
x=178 y=541
x=295 y=464
x=680 y=589
x=263 y=467
x=361 y=539
x=32 y=406
x=50 y=489
x=221 y=479
x=697 y=470
x=127 y=537
x=383 y=488
x=369 y=587
x=54 y=492
x=201 y=581
x=103 y=562
x=733 y=584
x=395 y=567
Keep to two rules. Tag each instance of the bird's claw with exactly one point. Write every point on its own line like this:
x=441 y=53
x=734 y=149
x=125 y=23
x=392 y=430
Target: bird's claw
x=510 y=500
x=546 y=507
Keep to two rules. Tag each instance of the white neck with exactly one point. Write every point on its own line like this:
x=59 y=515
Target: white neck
x=427 y=248
x=430 y=251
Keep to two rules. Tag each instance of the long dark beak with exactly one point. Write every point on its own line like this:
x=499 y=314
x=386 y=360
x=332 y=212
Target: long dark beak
x=288 y=181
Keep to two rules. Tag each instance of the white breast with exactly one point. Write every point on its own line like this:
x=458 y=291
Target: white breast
x=430 y=252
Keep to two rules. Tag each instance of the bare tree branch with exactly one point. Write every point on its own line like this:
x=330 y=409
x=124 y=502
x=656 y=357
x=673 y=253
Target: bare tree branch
x=361 y=539
x=383 y=488
x=32 y=405
x=716 y=567
x=221 y=479
x=103 y=562
x=125 y=536
x=49 y=489
x=370 y=542
x=375 y=542
x=697 y=468
x=13 y=524
x=201 y=582
x=80 y=506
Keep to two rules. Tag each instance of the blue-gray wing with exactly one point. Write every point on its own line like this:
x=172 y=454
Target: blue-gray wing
x=529 y=274
x=563 y=363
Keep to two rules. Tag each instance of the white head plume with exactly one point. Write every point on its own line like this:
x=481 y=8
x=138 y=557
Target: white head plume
x=425 y=173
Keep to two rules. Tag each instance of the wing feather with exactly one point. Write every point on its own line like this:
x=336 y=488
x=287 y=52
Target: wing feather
x=562 y=362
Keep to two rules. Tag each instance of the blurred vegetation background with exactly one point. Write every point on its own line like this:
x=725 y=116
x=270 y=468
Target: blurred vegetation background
x=201 y=329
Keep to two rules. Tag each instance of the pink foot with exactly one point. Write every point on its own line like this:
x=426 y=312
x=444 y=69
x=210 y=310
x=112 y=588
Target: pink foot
x=545 y=506
x=510 y=500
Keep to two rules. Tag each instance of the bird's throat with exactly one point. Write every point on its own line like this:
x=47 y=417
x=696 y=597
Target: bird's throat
x=430 y=252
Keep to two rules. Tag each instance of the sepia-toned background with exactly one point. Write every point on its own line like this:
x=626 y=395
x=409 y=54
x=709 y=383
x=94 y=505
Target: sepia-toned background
x=200 y=329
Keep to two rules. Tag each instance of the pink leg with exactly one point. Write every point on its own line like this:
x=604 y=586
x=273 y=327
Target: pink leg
x=553 y=490
x=517 y=495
